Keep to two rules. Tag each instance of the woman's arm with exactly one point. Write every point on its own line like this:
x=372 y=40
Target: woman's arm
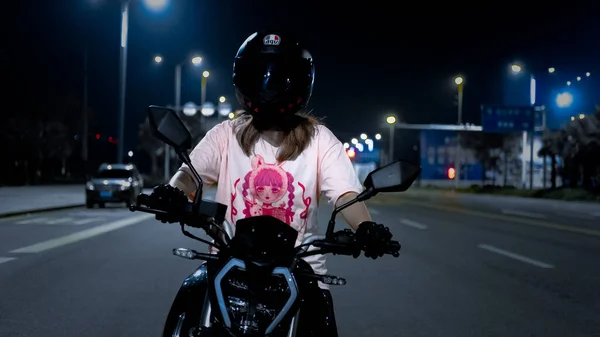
x=355 y=214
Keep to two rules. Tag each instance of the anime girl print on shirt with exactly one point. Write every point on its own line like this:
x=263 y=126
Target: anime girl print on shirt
x=269 y=190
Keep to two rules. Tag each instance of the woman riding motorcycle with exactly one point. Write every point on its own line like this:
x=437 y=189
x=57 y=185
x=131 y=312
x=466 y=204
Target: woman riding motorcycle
x=276 y=159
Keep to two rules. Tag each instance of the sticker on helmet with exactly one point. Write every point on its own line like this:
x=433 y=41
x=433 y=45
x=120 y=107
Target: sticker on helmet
x=272 y=40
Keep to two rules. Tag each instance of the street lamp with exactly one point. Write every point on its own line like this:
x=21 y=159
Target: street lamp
x=515 y=68
x=378 y=136
x=222 y=99
x=568 y=82
x=196 y=60
x=231 y=115
x=205 y=75
x=587 y=74
x=346 y=145
x=354 y=141
x=551 y=70
x=158 y=59
x=363 y=136
x=460 y=81
x=391 y=120
x=578 y=78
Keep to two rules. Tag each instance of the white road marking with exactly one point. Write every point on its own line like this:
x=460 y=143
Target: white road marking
x=6 y=259
x=34 y=220
x=59 y=221
x=575 y=215
x=595 y=214
x=515 y=256
x=86 y=221
x=373 y=211
x=525 y=214
x=414 y=224
x=82 y=235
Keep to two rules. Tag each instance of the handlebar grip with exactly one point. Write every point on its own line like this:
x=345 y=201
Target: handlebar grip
x=144 y=199
x=394 y=248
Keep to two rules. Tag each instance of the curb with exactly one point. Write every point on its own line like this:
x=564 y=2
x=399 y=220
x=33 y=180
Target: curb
x=40 y=210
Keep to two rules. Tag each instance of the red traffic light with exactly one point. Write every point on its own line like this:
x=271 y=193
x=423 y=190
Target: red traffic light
x=451 y=173
x=97 y=136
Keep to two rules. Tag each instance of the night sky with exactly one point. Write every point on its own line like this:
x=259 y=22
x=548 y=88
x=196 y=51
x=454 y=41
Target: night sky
x=372 y=58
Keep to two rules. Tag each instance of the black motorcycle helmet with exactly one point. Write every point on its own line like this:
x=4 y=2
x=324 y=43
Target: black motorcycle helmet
x=273 y=76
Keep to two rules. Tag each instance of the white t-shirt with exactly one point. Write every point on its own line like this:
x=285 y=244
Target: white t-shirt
x=289 y=191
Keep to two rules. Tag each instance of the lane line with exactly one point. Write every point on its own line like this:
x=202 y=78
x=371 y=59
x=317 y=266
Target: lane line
x=574 y=215
x=373 y=211
x=6 y=259
x=34 y=220
x=86 y=221
x=82 y=235
x=510 y=219
x=59 y=221
x=413 y=224
x=525 y=214
x=515 y=256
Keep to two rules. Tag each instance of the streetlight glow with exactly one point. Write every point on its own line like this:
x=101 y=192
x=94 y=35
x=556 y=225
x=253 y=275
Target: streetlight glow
x=158 y=59
x=156 y=5
x=551 y=70
x=564 y=100
x=458 y=80
x=363 y=136
x=587 y=74
x=578 y=78
x=516 y=68
x=378 y=136
x=581 y=116
x=222 y=99
x=197 y=60
x=130 y=154
x=390 y=120
x=568 y=82
x=346 y=146
x=354 y=141
x=231 y=115
x=205 y=74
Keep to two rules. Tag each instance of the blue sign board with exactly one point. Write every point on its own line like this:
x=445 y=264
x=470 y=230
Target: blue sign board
x=438 y=154
x=500 y=119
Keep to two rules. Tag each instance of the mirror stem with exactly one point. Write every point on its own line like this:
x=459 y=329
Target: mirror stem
x=331 y=224
x=185 y=157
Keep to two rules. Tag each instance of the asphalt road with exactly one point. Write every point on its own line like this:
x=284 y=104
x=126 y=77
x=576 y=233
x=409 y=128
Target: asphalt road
x=464 y=271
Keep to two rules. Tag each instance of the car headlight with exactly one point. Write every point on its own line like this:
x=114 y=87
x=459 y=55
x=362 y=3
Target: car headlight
x=89 y=186
x=256 y=311
x=125 y=186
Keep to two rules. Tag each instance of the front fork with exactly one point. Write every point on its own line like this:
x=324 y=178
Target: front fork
x=206 y=322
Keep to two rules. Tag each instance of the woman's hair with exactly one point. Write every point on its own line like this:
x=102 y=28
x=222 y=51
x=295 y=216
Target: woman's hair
x=294 y=143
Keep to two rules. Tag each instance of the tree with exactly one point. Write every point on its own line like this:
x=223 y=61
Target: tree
x=58 y=144
x=483 y=146
x=151 y=145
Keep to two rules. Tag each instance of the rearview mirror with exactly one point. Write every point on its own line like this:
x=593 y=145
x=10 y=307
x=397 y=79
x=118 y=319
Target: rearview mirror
x=395 y=177
x=169 y=128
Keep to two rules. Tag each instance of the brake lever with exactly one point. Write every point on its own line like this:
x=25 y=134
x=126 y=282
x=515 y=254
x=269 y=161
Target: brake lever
x=394 y=248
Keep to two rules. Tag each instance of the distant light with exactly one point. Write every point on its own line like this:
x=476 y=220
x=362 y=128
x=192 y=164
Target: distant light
x=156 y=5
x=516 y=68
x=97 y=136
x=208 y=109
x=354 y=141
x=390 y=120
x=378 y=136
x=222 y=99
x=231 y=115
x=578 y=78
x=351 y=153
x=564 y=100
x=568 y=82
x=458 y=80
x=363 y=136
x=360 y=147
x=124 y=26
x=205 y=74
x=587 y=74
x=158 y=59
x=581 y=116
x=196 y=60
x=224 y=109
x=190 y=109
x=451 y=173
x=346 y=146
x=369 y=143
x=551 y=70
x=130 y=154
x=572 y=118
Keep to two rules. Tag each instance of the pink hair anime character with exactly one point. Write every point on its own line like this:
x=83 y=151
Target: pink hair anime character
x=264 y=188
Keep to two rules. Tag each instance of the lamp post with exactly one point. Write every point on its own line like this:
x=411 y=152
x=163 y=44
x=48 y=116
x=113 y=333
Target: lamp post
x=459 y=81
x=391 y=120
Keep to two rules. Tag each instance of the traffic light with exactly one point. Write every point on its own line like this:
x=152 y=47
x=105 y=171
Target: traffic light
x=351 y=153
x=97 y=136
x=451 y=173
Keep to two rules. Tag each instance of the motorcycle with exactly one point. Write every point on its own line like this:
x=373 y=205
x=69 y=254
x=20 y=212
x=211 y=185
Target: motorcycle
x=257 y=284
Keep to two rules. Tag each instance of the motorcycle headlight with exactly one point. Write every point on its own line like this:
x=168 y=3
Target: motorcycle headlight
x=258 y=310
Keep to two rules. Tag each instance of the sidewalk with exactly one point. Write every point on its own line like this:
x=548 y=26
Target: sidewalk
x=30 y=199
